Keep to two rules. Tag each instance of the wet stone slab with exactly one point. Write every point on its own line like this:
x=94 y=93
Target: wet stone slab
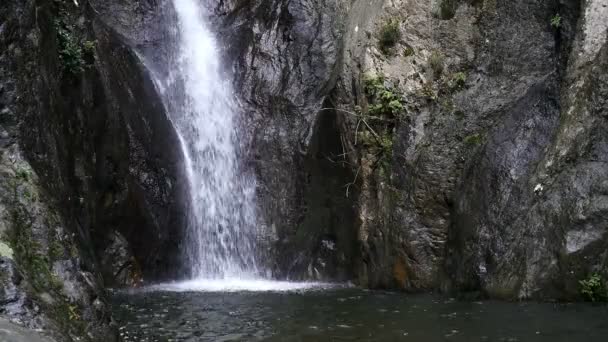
x=10 y=332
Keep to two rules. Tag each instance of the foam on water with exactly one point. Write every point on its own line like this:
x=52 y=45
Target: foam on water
x=241 y=285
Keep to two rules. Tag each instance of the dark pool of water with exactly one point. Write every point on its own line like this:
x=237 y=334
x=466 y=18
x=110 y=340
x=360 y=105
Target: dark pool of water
x=349 y=315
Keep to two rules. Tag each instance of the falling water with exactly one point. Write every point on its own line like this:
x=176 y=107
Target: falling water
x=221 y=232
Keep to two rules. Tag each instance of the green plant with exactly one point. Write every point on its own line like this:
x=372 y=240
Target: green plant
x=594 y=288
x=427 y=91
x=88 y=49
x=73 y=313
x=22 y=174
x=390 y=34
x=376 y=125
x=473 y=139
x=447 y=9
x=408 y=51
x=384 y=101
x=435 y=62
x=70 y=52
x=457 y=81
x=556 y=21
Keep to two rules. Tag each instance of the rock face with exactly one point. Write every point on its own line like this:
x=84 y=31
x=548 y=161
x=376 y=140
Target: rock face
x=13 y=333
x=420 y=145
x=88 y=154
x=285 y=56
x=485 y=174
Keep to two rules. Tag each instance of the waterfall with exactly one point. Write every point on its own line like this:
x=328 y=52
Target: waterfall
x=220 y=237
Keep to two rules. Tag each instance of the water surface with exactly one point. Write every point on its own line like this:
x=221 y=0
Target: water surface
x=348 y=314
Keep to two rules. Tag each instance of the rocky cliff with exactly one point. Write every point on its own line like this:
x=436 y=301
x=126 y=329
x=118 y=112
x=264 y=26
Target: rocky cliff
x=91 y=181
x=452 y=145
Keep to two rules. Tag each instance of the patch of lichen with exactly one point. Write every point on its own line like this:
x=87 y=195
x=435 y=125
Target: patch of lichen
x=35 y=249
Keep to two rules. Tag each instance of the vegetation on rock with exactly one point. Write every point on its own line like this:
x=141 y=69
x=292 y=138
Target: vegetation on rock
x=447 y=9
x=473 y=139
x=70 y=51
x=384 y=109
x=594 y=288
x=390 y=34
x=556 y=21
x=436 y=62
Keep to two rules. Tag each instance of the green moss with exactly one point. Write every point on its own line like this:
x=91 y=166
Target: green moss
x=28 y=252
x=56 y=249
x=473 y=139
x=447 y=104
x=22 y=174
x=390 y=34
x=408 y=51
x=36 y=266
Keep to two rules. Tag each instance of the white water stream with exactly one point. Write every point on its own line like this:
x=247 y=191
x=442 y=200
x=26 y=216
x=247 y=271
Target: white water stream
x=220 y=246
x=221 y=233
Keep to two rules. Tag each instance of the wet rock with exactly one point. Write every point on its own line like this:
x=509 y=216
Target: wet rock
x=12 y=333
x=10 y=294
x=495 y=159
x=284 y=56
x=119 y=265
x=87 y=150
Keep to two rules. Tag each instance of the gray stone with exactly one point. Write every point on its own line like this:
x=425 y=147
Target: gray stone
x=10 y=332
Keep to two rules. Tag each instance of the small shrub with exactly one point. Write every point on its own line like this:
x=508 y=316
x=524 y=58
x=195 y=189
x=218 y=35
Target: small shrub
x=427 y=91
x=556 y=21
x=408 y=51
x=22 y=174
x=447 y=9
x=436 y=63
x=70 y=52
x=88 y=49
x=389 y=36
x=457 y=81
x=383 y=100
x=594 y=288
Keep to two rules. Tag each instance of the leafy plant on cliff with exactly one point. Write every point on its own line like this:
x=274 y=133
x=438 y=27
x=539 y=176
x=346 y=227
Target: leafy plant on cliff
x=436 y=62
x=457 y=81
x=556 y=21
x=385 y=108
x=88 y=51
x=390 y=34
x=473 y=139
x=594 y=288
x=70 y=52
x=384 y=102
x=447 y=9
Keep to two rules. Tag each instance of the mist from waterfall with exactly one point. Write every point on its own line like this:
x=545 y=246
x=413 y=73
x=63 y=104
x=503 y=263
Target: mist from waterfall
x=220 y=241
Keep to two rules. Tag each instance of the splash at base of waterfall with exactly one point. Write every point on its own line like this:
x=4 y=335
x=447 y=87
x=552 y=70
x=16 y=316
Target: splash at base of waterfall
x=242 y=285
